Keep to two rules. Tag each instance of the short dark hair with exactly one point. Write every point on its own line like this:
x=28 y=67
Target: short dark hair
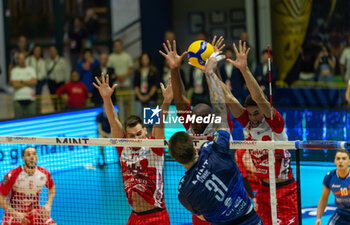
x=132 y=121
x=249 y=101
x=343 y=151
x=87 y=50
x=118 y=40
x=181 y=147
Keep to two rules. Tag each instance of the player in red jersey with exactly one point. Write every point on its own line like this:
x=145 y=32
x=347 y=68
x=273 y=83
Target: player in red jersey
x=259 y=126
x=142 y=168
x=22 y=186
x=183 y=106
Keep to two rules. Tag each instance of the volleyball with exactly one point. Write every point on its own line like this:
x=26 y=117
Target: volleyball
x=199 y=52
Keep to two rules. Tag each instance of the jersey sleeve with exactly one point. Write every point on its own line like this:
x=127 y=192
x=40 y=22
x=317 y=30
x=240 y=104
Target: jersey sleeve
x=229 y=120
x=157 y=151
x=277 y=123
x=243 y=119
x=327 y=180
x=221 y=141
x=49 y=183
x=8 y=182
x=184 y=115
x=239 y=160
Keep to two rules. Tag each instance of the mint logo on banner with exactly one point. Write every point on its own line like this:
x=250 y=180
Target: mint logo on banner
x=151 y=115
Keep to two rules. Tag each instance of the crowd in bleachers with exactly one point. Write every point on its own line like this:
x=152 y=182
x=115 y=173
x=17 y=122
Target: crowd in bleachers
x=70 y=81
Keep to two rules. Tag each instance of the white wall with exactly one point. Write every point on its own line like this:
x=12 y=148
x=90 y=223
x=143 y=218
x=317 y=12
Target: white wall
x=264 y=14
x=2 y=49
x=124 y=12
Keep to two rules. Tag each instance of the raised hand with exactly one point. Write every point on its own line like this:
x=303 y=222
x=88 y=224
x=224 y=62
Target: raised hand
x=217 y=44
x=168 y=91
x=241 y=56
x=103 y=86
x=172 y=58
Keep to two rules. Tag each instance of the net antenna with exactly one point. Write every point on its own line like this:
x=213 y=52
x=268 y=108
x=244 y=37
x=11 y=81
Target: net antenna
x=271 y=155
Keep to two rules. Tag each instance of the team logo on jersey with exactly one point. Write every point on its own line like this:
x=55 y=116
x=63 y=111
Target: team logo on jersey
x=6 y=179
x=151 y=115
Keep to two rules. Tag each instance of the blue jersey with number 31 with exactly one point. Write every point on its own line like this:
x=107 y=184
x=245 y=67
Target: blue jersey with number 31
x=213 y=187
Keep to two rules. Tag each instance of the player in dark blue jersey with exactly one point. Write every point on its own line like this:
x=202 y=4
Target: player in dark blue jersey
x=337 y=181
x=212 y=188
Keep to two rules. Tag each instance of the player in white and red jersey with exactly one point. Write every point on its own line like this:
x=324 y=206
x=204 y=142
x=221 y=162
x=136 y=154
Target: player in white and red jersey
x=22 y=187
x=183 y=106
x=142 y=168
x=259 y=126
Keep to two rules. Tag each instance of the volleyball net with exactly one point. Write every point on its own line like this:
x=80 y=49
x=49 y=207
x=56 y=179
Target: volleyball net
x=87 y=193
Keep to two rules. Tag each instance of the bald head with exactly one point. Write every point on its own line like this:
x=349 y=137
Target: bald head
x=200 y=110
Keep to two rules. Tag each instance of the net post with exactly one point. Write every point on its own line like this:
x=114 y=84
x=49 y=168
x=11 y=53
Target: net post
x=298 y=185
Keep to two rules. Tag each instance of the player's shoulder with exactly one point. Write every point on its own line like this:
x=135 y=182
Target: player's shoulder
x=43 y=170
x=15 y=171
x=331 y=173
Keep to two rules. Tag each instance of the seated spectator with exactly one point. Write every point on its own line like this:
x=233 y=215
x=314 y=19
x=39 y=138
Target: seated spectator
x=57 y=73
x=307 y=72
x=86 y=67
x=103 y=68
x=324 y=65
x=345 y=62
x=231 y=76
x=145 y=83
x=22 y=47
x=262 y=73
x=347 y=95
x=23 y=80
x=92 y=26
x=75 y=90
x=36 y=61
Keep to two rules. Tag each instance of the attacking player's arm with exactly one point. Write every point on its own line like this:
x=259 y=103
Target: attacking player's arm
x=174 y=62
x=106 y=92
x=256 y=92
x=217 y=98
x=322 y=204
x=158 y=130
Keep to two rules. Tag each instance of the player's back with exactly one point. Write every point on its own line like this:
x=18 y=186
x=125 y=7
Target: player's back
x=213 y=187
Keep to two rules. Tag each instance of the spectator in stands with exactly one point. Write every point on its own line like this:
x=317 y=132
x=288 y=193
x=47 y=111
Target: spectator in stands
x=262 y=73
x=307 y=72
x=252 y=54
x=36 y=61
x=76 y=41
x=86 y=68
x=145 y=83
x=22 y=47
x=123 y=68
x=75 y=90
x=347 y=95
x=202 y=35
x=23 y=80
x=345 y=62
x=103 y=131
x=324 y=65
x=57 y=73
x=231 y=76
x=103 y=68
x=92 y=26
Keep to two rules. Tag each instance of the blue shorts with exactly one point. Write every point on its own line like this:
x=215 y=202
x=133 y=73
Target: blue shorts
x=339 y=219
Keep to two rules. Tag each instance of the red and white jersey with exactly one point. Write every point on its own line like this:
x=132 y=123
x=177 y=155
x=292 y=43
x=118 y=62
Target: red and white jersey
x=264 y=133
x=143 y=173
x=23 y=190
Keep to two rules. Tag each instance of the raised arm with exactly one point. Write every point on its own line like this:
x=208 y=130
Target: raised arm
x=174 y=62
x=322 y=204
x=217 y=97
x=253 y=86
x=106 y=92
x=158 y=130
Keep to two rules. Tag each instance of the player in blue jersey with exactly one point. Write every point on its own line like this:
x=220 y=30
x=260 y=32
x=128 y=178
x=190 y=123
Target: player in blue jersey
x=212 y=187
x=337 y=181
